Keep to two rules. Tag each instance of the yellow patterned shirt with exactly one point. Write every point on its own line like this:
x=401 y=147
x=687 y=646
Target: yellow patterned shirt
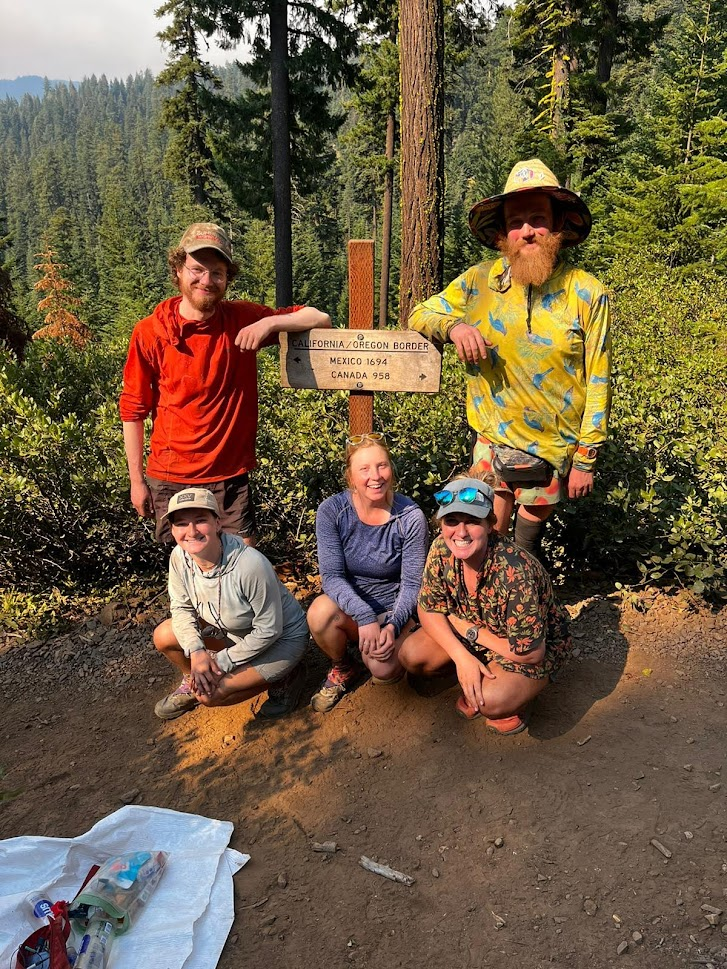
x=545 y=387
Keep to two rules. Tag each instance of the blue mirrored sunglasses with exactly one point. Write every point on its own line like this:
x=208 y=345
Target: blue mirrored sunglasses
x=468 y=495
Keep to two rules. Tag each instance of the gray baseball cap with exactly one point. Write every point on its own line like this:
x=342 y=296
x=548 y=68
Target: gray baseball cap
x=465 y=496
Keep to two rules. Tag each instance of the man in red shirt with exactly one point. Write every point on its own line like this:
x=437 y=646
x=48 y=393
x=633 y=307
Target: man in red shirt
x=192 y=366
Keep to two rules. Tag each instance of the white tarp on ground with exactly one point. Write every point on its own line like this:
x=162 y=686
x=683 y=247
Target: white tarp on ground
x=189 y=915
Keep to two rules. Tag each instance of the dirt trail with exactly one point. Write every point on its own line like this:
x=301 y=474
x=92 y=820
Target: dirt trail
x=531 y=851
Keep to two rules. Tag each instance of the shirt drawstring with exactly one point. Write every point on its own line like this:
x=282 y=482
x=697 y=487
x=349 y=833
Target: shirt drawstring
x=530 y=307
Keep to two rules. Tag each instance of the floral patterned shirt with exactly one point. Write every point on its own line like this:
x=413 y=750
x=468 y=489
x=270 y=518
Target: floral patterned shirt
x=514 y=600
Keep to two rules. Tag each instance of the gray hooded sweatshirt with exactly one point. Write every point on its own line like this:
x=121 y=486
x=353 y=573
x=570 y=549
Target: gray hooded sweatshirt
x=241 y=597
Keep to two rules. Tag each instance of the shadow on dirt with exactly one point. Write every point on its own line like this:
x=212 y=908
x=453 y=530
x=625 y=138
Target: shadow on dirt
x=593 y=673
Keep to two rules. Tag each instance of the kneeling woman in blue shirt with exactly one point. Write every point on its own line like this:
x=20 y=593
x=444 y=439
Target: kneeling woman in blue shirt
x=372 y=546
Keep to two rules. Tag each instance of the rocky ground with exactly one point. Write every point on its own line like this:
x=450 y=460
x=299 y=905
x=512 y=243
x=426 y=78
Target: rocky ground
x=596 y=838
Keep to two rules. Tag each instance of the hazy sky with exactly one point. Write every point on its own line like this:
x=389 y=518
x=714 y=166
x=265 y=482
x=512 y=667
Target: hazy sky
x=72 y=39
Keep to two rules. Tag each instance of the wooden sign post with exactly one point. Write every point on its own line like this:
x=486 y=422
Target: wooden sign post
x=361 y=317
x=360 y=359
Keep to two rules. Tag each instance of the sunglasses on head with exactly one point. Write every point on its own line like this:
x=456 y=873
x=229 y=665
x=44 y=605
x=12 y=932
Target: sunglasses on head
x=355 y=439
x=468 y=495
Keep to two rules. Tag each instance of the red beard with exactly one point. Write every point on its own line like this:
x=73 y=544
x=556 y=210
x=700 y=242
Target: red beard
x=532 y=268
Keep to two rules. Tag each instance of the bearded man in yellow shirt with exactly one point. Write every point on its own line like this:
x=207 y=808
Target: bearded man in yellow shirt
x=534 y=334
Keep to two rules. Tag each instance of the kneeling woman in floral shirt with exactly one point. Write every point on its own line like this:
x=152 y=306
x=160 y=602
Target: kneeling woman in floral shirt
x=487 y=608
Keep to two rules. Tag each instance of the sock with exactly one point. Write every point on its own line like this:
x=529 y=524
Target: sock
x=528 y=535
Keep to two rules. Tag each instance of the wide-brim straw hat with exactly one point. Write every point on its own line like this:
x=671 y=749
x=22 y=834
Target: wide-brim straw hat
x=485 y=218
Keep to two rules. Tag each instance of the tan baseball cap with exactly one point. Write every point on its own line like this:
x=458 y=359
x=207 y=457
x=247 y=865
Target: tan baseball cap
x=485 y=218
x=206 y=235
x=193 y=498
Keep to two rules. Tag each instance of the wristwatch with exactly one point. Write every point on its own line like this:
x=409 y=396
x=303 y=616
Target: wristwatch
x=472 y=634
x=586 y=452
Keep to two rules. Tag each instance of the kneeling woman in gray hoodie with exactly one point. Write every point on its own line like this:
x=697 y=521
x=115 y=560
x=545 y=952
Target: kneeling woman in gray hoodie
x=235 y=630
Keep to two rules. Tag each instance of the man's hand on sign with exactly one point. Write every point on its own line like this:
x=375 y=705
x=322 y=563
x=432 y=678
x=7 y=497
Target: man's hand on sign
x=580 y=483
x=142 y=500
x=252 y=337
x=471 y=345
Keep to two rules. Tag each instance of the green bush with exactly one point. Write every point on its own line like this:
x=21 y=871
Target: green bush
x=658 y=514
x=660 y=510
x=65 y=517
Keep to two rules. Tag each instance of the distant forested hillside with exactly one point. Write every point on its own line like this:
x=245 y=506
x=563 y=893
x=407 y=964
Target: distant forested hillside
x=31 y=84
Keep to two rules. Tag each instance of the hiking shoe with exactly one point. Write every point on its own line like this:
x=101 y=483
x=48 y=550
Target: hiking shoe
x=335 y=686
x=507 y=726
x=464 y=710
x=178 y=703
x=283 y=695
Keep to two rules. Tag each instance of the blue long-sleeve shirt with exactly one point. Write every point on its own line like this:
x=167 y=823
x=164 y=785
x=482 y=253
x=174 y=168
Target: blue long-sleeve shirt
x=368 y=570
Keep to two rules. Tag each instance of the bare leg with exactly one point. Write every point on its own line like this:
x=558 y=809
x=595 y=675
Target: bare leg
x=167 y=644
x=509 y=692
x=502 y=506
x=331 y=628
x=504 y=696
x=391 y=668
x=423 y=656
x=535 y=513
x=236 y=687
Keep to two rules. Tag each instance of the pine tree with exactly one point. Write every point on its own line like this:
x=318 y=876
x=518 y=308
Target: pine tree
x=187 y=109
x=13 y=334
x=61 y=323
x=665 y=199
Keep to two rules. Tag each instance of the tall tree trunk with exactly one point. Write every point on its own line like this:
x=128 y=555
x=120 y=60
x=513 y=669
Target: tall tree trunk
x=280 y=125
x=421 y=45
x=607 y=40
x=386 y=229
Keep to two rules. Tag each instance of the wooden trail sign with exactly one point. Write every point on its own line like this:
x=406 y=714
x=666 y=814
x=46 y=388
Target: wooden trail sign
x=360 y=359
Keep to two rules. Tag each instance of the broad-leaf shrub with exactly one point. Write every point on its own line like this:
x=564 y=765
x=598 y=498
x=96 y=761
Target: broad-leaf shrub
x=660 y=508
x=64 y=508
x=658 y=513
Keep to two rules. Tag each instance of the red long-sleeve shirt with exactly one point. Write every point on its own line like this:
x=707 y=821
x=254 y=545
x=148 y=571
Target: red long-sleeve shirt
x=200 y=390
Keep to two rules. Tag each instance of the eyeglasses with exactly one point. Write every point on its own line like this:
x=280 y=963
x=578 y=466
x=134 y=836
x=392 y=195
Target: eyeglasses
x=355 y=439
x=197 y=273
x=468 y=495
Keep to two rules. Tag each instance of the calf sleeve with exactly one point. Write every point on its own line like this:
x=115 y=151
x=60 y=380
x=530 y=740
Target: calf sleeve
x=528 y=535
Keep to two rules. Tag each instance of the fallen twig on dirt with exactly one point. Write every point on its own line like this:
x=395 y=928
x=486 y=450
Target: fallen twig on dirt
x=386 y=872
x=262 y=901
x=325 y=847
x=660 y=847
